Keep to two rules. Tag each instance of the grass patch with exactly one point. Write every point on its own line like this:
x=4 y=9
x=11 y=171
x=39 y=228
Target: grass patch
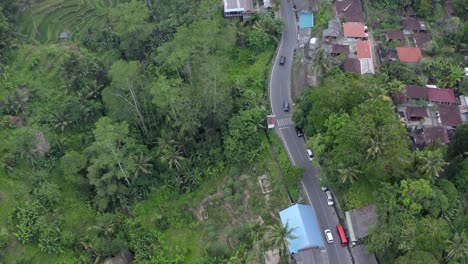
x=292 y=175
x=360 y=194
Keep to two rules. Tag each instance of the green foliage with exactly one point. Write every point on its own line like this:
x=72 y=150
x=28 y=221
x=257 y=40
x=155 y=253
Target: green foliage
x=258 y=41
x=424 y=8
x=461 y=7
x=416 y=257
x=50 y=239
x=145 y=246
x=3 y=237
x=131 y=25
x=408 y=220
x=25 y=217
x=401 y=72
x=243 y=142
x=112 y=162
x=459 y=144
x=443 y=73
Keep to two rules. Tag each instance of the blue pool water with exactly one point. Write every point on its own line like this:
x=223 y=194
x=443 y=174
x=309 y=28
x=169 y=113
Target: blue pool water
x=306 y=20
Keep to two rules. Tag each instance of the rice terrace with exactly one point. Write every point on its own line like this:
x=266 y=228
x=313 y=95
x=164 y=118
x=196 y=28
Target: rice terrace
x=44 y=20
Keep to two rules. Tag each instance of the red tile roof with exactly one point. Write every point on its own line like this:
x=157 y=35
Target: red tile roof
x=416 y=92
x=421 y=38
x=352 y=65
x=350 y=10
x=416 y=112
x=363 y=50
x=441 y=95
x=354 y=30
x=399 y=35
x=430 y=135
x=409 y=54
x=340 y=49
x=411 y=24
x=450 y=115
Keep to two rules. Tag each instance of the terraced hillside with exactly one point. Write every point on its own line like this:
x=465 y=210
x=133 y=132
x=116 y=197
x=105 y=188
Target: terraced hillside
x=43 y=20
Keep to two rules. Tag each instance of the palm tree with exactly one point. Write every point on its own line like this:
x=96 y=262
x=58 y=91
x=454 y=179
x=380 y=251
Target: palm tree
x=321 y=63
x=349 y=173
x=172 y=156
x=375 y=149
x=458 y=247
x=395 y=88
x=279 y=235
x=433 y=164
x=143 y=165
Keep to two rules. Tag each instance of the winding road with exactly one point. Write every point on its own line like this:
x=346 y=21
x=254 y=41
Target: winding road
x=280 y=83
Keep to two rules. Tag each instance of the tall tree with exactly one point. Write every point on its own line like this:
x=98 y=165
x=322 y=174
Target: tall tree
x=458 y=247
x=113 y=162
x=131 y=25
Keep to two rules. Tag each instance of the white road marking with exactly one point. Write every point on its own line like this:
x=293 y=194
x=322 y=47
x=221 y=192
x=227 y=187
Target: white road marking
x=286 y=145
x=285 y=121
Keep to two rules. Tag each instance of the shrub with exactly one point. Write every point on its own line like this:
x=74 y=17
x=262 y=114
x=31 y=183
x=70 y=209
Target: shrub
x=217 y=249
x=3 y=237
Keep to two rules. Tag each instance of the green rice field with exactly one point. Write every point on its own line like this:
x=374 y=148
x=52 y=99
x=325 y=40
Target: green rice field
x=43 y=20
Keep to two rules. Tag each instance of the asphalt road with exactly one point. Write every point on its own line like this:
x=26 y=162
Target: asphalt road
x=280 y=81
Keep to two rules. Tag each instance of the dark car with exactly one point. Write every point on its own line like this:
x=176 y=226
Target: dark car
x=282 y=60
x=285 y=106
x=299 y=132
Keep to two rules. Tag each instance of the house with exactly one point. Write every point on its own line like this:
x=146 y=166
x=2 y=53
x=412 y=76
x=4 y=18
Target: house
x=352 y=65
x=350 y=10
x=420 y=38
x=463 y=108
x=238 y=8
x=411 y=55
x=412 y=25
x=364 y=54
x=338 y=49
x=308 y=244
x=416 y=114
x=441 y=96
x=395 y=36
x=429 y=135
x=359 y=221
x=416 y=92
x=354 y=31
x=333 y=31
x=64 y=35
x=363 y=50
x=449 y=115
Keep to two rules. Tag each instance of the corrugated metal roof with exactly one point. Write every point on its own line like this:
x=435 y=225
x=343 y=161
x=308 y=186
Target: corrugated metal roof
x=302 y=217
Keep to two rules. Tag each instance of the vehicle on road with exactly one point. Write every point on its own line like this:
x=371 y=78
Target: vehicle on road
x=328 y=236
x=282 y=60
x=342 y=235
x=310 y=154
x=329 y=198
x=324 y=188
x=285 y=106
x=299 y=132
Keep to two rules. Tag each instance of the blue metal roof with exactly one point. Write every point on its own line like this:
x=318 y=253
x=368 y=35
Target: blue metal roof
x=302 y=217
x=306 y=20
